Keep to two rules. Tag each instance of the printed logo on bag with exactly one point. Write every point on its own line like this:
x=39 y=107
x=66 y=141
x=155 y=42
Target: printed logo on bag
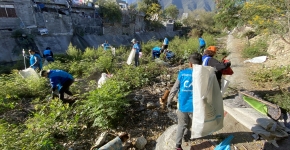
x=187 y=84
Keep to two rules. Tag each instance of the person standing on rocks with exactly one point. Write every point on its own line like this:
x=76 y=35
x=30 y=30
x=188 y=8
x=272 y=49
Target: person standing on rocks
x=208 y=60
x=183 y=84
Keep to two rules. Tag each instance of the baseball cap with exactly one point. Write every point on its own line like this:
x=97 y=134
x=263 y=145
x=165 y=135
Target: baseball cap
x=133 y=41
x=212 y=48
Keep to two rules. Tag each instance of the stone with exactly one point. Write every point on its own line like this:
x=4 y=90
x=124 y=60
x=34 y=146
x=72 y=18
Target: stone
x=140 y=142
x=151 y=105
x=101 y=140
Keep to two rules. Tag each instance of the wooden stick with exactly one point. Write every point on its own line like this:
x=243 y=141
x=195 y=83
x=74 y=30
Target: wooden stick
x=263 y=101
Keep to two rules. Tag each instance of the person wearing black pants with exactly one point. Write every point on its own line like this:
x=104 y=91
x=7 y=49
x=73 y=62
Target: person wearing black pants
x=59 y=80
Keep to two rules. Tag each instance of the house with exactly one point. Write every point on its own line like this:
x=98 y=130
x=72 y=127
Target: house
x=15 y=14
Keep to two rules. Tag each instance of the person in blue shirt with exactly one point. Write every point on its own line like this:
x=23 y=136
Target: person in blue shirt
x=136 y=46
x=156 y=52
x=48 y=55
x=106 y=45
x=202 y=44
x=165 y=44
x=35 y=60
x=59 y=80
x=183 y=84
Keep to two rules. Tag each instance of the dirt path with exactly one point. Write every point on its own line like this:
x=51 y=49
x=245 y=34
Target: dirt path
x=242 y=136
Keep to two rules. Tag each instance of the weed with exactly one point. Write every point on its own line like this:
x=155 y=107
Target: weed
x=257 y=49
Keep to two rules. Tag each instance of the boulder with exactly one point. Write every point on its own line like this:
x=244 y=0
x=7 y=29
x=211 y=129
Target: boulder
x=140 y=142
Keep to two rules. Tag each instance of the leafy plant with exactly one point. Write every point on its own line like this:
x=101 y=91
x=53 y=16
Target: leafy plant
x=259 y=48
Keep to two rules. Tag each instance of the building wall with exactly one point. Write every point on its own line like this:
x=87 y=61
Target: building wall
x=24 y=11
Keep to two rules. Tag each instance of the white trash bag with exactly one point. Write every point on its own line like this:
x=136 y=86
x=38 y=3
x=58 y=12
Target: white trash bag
x=29 y=72
x=208 y=114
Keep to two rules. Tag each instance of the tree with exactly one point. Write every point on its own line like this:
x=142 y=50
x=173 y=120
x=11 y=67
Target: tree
x=200 y=19
x=151 y=8
x=228 y=12
x=272 y=16
x=172 y=11
x=110 y=11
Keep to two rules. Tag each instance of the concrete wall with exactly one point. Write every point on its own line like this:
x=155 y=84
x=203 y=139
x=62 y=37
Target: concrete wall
x=24 y=11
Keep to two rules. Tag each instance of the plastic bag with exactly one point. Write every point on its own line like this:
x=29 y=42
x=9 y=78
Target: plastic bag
x=208 y=111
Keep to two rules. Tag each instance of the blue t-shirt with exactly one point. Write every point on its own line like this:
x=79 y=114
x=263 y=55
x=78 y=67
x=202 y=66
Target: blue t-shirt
x=201 y=42
x=137 y=47
x=185 y=95
x=58 y=78
x=165 y=42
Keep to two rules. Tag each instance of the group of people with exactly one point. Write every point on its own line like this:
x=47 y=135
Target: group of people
x=35 y=58
x=185 y=93
x=60 y=80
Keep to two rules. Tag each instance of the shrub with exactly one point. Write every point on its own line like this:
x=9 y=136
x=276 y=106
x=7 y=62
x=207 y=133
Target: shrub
x=276 y=74
x=107 y=104
x=73 y=52
x=257 y=49
x=282 y=100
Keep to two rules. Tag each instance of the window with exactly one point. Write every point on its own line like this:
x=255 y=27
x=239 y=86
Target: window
x=7 y=11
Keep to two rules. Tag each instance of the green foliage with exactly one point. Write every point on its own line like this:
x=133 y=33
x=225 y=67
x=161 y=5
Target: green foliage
x=228 y=13
x=281 y=99
x=104 y=62
x=201 y=20
x=91 y=53
x=259 y=48
x=73 y=52
x=111 y=11
x=107 y=104
x=269 y=15
x=172 y=11
x=275 y=75
x=151 y=8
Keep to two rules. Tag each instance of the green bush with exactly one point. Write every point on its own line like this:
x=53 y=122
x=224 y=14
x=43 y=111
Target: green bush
x=275 y=75
x=282 y=100
x=107 y=104
x=73 y=52
x=257 y=49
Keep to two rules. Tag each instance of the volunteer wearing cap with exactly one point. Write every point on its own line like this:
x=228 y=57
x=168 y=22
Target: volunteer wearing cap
x=208 y=60
x=136 y=46
x=35 y=60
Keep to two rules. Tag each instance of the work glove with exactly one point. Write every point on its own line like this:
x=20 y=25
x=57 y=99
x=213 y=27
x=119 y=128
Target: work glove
x=228 y=64
x=140 y=54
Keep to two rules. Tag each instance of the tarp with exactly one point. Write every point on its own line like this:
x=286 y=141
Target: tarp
x=260 y=107
x=208 y=114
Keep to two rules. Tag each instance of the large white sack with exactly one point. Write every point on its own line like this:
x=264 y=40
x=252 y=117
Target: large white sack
x=131 y=56
x=29 y=72
x=208 y=114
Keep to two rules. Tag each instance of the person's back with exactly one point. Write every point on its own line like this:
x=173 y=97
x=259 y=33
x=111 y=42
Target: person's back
x=59 y=76
x=202 y=45
x=48 y=54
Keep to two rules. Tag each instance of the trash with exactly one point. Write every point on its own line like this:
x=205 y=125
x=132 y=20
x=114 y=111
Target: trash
x=29 y=73
x=269 y=130
x=259 y=59
x=102 y=80
x=225 y=144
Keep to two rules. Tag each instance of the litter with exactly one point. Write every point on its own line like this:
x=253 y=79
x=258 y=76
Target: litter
x=259 y=59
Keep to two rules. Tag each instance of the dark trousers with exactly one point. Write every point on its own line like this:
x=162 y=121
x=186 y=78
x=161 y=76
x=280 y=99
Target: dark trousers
x=137 y=59
x=65 y=89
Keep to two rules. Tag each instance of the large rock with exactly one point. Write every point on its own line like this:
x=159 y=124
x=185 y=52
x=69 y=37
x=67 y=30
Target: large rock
x=167 y=140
